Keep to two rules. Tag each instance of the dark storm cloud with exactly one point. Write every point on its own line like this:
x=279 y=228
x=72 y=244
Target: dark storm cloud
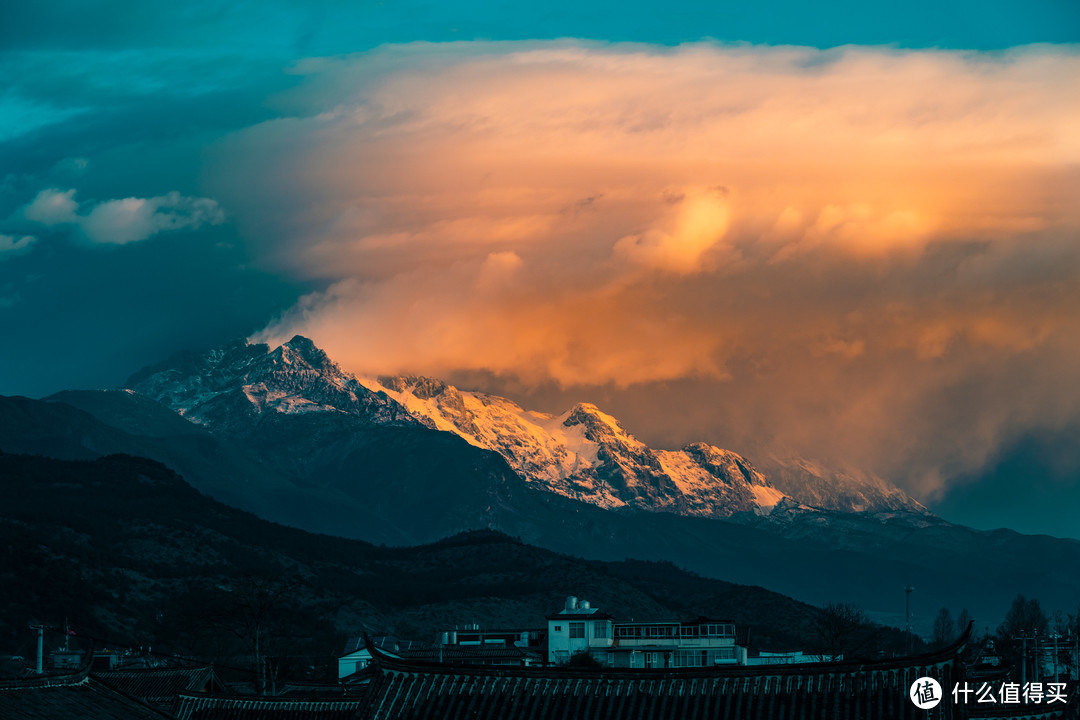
x=112 y=130
x=84 y=317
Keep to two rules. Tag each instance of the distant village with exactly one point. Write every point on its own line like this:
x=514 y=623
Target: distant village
x=582 y=662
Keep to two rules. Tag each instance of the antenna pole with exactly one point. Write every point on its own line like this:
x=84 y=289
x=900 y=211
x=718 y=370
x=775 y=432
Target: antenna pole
x=907 y=618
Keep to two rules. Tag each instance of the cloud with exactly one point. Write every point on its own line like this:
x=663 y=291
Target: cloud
x=134 y=219
x=697 y=227
x=52 y=207
x=126 y=220
x=11 y=245
x=863 y=253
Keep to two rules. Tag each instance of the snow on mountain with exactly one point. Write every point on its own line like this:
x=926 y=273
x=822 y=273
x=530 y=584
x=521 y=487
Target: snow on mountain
x=230 y=386
x=835 y=486
x=583 y=453
x=587 y=455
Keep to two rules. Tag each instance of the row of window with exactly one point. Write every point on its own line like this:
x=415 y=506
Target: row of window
x=647 y=631
x=600 y=630
x=680 y=658
x=708 y=630
x=702 y=658
x=577 y=630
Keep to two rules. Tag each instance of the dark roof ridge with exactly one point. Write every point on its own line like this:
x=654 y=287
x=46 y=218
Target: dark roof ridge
x=47 y=680
x=297 y=698
x=172 y=669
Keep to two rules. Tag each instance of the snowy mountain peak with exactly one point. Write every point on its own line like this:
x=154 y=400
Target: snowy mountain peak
x=583 y=453
x=302 y=351
x=599 y=426
x=231 y=385
x=587 y=454
x=725 y=463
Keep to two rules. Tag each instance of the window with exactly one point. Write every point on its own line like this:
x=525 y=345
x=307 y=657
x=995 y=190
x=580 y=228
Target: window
x=577 y=630
x=718 y=630
x=599 y=630
x=558 y=628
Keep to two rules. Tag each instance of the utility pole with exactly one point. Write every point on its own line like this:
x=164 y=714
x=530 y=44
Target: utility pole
x=1023 y=662
x=40 y=647
x=1024 y=656
x=1037 y=667
x=907 y=618
x=1055 y=636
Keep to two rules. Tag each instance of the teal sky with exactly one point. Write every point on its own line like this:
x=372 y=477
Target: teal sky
x=299 y=28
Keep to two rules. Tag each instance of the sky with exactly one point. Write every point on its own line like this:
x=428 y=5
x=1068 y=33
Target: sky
x=834 y=231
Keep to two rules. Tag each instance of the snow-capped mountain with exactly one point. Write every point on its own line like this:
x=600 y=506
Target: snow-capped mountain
x=272 y=396
x=587 y=455
x=228 y=387
x=835 y=486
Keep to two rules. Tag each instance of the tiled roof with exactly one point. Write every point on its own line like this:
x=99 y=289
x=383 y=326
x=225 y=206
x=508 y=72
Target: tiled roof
x=406 y=689
x=469 y=653
x=70 y=697
x=385 y=642
x=159 y=685
x=1065 y=711
x=193 y=707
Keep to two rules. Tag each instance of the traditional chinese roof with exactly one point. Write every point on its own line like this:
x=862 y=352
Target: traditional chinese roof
x=75 y=696
x=160 y=686
x=471 y=654
x=384 y=642
x=246 y=707
x=1028 y=711
x=408 y=689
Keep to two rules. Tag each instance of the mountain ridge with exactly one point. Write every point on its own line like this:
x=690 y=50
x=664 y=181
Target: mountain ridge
x=583 y=454
x=323 y=469
x=411 y=485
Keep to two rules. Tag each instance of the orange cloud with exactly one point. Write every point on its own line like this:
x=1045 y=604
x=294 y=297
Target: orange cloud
x=835 y=242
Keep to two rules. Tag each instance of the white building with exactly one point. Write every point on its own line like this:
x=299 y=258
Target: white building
x=581 y=628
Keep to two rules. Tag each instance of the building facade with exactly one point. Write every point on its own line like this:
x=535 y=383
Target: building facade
x=580 y=628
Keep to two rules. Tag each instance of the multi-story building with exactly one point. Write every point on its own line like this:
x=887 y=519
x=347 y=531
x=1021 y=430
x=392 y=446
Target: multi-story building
x=581 y=628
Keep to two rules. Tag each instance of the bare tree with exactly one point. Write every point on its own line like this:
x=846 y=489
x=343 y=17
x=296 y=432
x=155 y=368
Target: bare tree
x=944 y=628
x=252 y=608
x=1025 y=625
x=841 y=629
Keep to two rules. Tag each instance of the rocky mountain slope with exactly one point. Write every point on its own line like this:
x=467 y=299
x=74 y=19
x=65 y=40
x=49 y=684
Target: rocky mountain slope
x=833 y=485
x=233 y=388
x=262 y=395
x=585 y=454
x=284 y=433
